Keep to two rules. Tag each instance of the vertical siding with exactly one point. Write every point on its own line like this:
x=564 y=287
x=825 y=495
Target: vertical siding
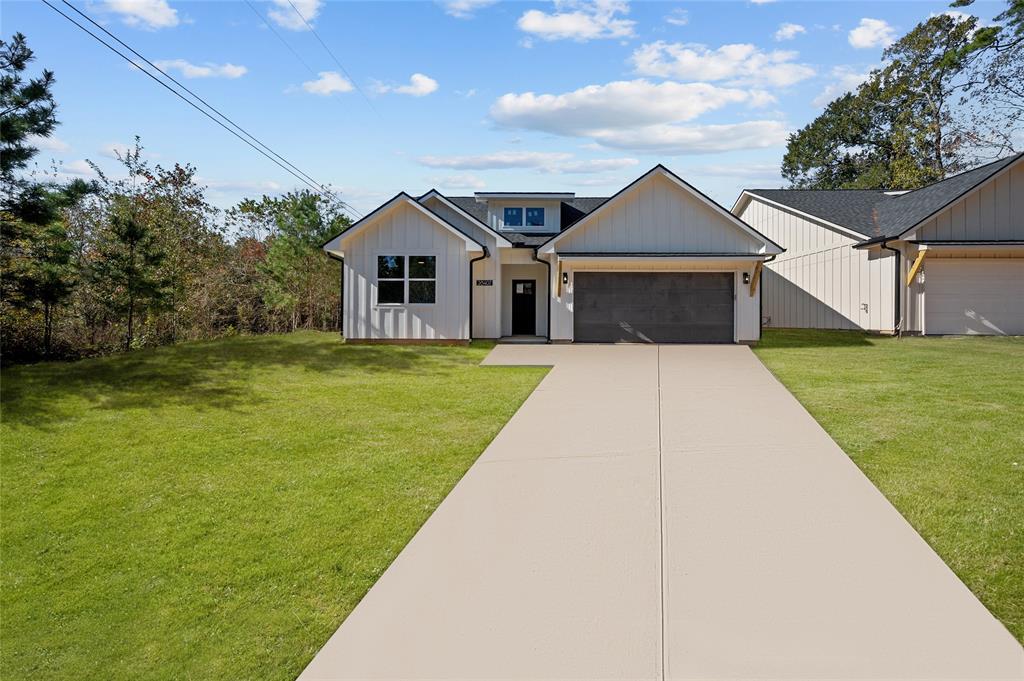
x=552 y=214
x=658 y=216
x=406 y=231
x=993 y=211
x=821 y=282
x=486 y=299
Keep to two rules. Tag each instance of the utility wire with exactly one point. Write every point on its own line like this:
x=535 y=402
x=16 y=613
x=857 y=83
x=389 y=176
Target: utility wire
x=336 y=60
x=283 y=163
x=284 y=42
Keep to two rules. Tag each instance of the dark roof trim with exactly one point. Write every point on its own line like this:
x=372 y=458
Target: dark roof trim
x=387 y=203
x=947 y=204
x=680 y=254
x=456 y=208
x=980 y=242
x=668 y=172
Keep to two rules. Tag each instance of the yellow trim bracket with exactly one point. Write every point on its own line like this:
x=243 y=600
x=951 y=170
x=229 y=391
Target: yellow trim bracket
x=916 y=266
x=756 y=277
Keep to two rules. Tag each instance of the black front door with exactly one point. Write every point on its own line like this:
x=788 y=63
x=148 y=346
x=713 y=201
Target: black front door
x=524 y=307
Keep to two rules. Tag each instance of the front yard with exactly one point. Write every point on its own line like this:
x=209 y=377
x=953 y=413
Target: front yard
x=214 y=510
x=938 y=425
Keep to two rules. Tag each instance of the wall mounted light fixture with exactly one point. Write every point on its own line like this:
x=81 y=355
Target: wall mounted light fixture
x=746 y=277
x=565 y=277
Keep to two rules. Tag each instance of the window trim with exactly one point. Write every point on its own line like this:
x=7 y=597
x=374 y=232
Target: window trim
x=405 y=279
x=522 y=226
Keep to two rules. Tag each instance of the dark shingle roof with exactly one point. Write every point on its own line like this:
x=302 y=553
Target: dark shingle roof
x=879 y=215
x=571 y=212
x=896 y=217
x=850 y=208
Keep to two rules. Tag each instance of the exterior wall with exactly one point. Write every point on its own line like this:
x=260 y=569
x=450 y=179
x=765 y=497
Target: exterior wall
x=658 y=216
x=552 y=214
x=486 y=299
x=993 y=211
x=821 y=282
x=406 y=231
x=747 y=326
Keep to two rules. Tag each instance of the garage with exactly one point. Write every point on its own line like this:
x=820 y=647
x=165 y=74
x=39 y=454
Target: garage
x=974 y=296
x=653 y=307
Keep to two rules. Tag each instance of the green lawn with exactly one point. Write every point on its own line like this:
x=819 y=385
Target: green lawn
x=214 y=510
x=938 y=425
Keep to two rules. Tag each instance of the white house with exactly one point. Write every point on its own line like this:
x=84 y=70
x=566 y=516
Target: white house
x=944 y=259
x=656 y=262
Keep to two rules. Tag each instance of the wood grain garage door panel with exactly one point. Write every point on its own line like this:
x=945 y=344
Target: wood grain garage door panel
x=653 y=307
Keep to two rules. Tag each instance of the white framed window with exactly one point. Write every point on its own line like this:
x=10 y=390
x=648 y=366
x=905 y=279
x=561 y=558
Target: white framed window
x=520 y=216
x=406 y=279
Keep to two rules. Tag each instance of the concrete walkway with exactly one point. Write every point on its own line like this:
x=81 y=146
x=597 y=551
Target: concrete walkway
x=665 y=513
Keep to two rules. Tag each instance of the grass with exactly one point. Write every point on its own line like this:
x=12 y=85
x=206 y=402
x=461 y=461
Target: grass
x=215 y=509
x=938 y=425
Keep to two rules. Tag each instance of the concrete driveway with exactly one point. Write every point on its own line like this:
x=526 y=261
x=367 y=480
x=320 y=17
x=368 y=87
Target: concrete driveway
x=665 y=513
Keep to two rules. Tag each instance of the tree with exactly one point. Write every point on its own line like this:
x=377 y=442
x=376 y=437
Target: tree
x=127 y=269
x=905 y=126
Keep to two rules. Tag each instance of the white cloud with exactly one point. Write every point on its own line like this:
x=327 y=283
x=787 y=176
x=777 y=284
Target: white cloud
x=545 y=161
x=419 y=86
x=762 y=2
x=284 y=16
x=78 y=168
x=458 y=182
x=872 y=33
x=788 y=31
x=846 y=79
x=641 y=116
x=579 y=20
x=737 y=63
x=148 y=14
x=240 y=185
x=207 y=70
x=750 y=171
x=464 y=9
x=678 y=17
x=117 y=150
x=328 y=83
x=51 y=143
x=696 y=139
x=616 y=104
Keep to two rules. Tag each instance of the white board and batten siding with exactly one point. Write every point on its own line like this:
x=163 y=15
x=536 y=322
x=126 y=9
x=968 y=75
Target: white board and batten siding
x=657 y=216
x=821 y=281
x=976 y=290
x=487 y=308
x=406 y=231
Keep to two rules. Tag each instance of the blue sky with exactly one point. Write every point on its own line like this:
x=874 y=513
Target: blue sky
x=464 y=95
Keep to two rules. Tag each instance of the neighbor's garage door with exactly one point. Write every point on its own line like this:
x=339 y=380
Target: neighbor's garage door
x=978 y=296
x=653 y=307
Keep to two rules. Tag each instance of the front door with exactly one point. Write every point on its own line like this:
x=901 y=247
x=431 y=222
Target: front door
x=524 y=307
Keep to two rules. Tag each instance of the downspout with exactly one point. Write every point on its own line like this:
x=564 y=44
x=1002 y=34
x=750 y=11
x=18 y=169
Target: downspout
x=486 y=254
x=341 y=293
x=760 y=299
x=897 y=319
x=548 y=265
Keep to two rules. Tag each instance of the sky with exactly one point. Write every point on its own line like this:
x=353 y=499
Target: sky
x=458 y=95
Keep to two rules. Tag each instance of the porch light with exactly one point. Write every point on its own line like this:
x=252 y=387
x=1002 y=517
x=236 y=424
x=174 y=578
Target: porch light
x=565 y=277
x=746 y=277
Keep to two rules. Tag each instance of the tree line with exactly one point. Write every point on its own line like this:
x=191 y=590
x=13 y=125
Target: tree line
x=143 y=258
x=948 y=96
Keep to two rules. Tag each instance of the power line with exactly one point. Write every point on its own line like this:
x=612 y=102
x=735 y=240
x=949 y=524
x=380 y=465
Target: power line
x=297 y=173
x=281 y=38
x=336 y=60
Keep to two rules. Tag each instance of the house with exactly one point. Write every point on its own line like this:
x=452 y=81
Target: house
x=656 y=262
x=944 y=259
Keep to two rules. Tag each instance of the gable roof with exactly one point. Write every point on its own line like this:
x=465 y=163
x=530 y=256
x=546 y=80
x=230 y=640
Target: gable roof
x=482 y=223
x=571 y=212
x=877 y=214
x=910 y=209
x=852 y=209
x=683 y=184
x=381 y=210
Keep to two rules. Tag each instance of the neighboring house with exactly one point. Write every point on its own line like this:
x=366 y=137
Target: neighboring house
x=944 y=259
x=656 y=262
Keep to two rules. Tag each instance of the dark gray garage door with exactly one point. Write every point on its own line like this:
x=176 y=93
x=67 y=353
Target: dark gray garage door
x=653 y=307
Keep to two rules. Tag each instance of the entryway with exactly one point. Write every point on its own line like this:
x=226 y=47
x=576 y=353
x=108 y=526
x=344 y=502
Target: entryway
x=524 y=307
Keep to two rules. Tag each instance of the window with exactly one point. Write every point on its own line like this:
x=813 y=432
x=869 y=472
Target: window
x=513 y=217
x=401 y=277
x=534 y=217
x=422 y=278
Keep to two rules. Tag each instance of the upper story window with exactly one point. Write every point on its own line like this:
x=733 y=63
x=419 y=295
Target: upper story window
x=513 y=217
